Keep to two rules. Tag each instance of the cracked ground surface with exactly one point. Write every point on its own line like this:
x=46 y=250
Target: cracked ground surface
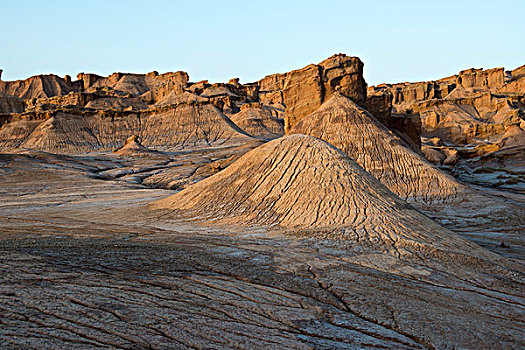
x=85 y=265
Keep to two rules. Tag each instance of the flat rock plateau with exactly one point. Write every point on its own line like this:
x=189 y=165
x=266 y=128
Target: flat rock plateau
x=305 y=210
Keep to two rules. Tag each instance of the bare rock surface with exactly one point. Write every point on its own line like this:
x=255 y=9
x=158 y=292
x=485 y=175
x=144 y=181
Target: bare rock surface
x=133 y=147
x=406 y=173
x=306 y=89
x=198 y=233
x=129 y=278
x=272 y=185
x=27 y=105
x=38 y=86
x=11 y=104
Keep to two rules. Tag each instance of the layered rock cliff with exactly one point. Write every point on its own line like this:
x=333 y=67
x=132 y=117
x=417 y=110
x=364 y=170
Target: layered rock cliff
x=473 y=122
x=472 y=105
x=35 y=109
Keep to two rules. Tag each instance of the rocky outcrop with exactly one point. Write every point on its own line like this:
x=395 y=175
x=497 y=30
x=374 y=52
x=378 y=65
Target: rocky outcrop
x=270 y=89
x=272 y=186
x=133 y=147
x=38 y=86
x=474 y=104
x=155 y=85
x=293 y=245
x=478 y=78
x=268 y=181
x=472 y=114
x=306 y=89
x=406 y=126
x=405 y=94
x=288 y=97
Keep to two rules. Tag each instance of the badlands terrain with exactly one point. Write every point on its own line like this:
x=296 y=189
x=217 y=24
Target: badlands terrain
x=306 y=210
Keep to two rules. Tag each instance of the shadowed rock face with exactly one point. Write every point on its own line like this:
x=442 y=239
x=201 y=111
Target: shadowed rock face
x=258 y=121
x=356 y=132
x=406 y=126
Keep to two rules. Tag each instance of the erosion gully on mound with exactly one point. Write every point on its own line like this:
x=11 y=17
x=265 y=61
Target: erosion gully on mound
x=145 y=211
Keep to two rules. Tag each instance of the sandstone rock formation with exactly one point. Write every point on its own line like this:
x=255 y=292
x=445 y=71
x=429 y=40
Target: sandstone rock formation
x=137 y=84
x=475 y=104
x=289 y=96
x=406 y=126
x=252 y=243
x=38 y=86
x=304 y=90
x=478 y=116
x=356 y=132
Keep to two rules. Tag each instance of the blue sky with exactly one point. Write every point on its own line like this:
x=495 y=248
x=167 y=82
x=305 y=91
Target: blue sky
x=218 y=40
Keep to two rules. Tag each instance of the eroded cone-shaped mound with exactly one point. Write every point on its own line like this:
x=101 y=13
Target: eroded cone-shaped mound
x=258 y=122
x=185 y=125
x=190 y=125
x=301 y=182
x=133 y=147
x=356 y=132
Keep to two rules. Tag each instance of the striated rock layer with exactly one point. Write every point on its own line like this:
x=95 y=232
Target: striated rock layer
x=473 y=123
x=465 y=108
x=304 y=90
x=356 y=132
x=78 y=131
x=302 y=182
